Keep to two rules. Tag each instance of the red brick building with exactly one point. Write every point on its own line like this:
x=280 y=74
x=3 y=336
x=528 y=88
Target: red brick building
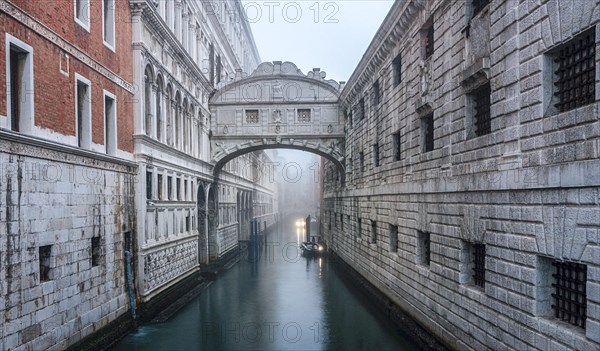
x=66 y=146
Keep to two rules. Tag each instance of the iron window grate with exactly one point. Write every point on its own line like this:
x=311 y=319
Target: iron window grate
x=576 y=72
x=376 y=93
x=479 y=264
x=481 y=97
x=361 y=108
x=376 y=154
x=479 y=5
x=303 y=115
x=570 y=294
x=397 y=64
x=252 y=116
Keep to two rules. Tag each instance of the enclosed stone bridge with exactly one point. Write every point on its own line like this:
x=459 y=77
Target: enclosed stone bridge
x=277 y=106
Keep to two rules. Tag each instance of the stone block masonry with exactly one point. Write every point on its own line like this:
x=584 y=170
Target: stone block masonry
x=481 y=214
x=64 y=219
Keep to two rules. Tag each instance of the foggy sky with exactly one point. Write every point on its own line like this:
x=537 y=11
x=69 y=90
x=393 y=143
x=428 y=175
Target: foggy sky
x=330 y=35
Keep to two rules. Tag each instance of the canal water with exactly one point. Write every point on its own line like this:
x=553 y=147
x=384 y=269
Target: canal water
x=280 y=301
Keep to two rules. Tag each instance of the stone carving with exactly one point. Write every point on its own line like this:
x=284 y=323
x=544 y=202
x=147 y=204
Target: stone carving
x=225 y=130
x=330 y=129
x=276 y=90
x=277 y=116
x=277 y=129
x=164 y=265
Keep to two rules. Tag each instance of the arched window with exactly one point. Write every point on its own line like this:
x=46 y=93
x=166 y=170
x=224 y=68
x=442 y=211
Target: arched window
x=148 y=80
x=159 y=107
x=184 y=127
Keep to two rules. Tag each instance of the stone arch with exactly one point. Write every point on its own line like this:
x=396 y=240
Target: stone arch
x=329 y=153
x=177 y=118
x=169 y=112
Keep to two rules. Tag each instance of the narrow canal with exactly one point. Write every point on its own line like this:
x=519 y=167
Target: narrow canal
x=281 y=301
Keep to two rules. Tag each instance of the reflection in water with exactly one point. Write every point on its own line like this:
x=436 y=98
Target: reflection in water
x=281 y=301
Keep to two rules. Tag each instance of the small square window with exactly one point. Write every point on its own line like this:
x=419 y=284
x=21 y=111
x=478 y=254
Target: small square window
x=393 y=238
x=96 y=251
x=45 y=253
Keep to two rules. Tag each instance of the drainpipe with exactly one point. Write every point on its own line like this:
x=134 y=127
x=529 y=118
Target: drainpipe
x=130 y=287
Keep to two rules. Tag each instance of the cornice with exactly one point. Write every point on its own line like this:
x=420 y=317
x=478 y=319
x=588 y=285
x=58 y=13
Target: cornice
x=394 y=26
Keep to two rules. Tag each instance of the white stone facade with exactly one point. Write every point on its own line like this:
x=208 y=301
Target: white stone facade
x=528 y=191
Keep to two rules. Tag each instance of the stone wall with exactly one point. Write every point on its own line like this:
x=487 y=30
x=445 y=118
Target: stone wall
x=528 y=190
x=65 y=214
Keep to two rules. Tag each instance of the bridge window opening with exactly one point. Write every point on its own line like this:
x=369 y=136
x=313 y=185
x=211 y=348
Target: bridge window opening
x=473 y=264
x=252 y=116
x=149 y=185
x=427 y=132
x=96 y=251
x=478 y=108
x=397 y=70
x=427 y=38
x=573 y=71
x=376 y=155
x=423 y=248
x=396 y=146
x=303 y=115
x=45 y=254
x=393 y=238
x=159 y=184
x=373 y=232
x=376 y=93
x=561 y=291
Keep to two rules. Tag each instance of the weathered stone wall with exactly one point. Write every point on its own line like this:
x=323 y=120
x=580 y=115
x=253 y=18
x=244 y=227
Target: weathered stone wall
x=529 y=190
x=52 y=196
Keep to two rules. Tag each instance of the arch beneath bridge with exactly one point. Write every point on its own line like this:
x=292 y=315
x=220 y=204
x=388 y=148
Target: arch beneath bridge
x=277 y=106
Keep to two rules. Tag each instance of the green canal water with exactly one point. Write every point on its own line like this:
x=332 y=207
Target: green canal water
x=280 y=301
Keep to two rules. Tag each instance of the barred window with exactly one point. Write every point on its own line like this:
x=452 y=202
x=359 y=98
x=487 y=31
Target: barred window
x=479 y=265
x=45 y=252
x=96 y=251
x=376 y=93
x=397 y=69
x=149 y=185
x=427 y=132
x=304 y=115
x=575 y=72
x=481 y=109
x=361 y=161
x=376 y=155
x=570 y=294
x=252 y=116
x=373 y=232
x=359 y=230
x=427 y=38
x=479 y=5
x=361 y=108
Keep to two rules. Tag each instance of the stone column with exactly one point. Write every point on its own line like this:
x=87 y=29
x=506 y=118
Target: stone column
x=177 y=19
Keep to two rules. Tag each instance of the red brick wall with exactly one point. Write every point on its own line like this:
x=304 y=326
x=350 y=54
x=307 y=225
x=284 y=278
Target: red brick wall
x=54 y=91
